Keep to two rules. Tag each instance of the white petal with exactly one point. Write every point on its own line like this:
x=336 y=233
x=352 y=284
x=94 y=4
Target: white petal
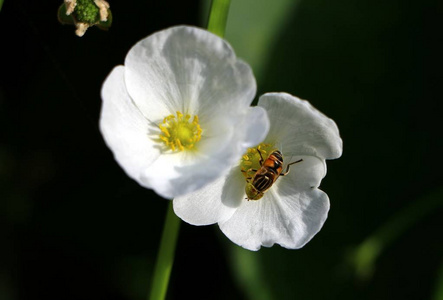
x=187 y=69
x=182 y=173
x=256 y=127
x=124 y=128
x=303 y=175
x=289 y=214
x=297 y=128
x=289 y=220
x=225 y=138
x=213 y=203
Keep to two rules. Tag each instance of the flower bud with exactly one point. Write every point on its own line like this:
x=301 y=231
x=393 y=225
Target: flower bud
x=84 y=14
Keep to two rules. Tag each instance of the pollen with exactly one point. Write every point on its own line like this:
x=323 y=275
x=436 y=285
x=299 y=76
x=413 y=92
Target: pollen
x=250 y=161
x=180 y=132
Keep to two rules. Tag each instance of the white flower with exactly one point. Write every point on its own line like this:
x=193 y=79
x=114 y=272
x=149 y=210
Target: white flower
x=177 y=115
x=293 y=209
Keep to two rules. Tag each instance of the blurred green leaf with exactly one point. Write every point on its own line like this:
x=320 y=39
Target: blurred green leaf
x=254 y=26
x=365 y=255
x=439 y=286
x=248 y=272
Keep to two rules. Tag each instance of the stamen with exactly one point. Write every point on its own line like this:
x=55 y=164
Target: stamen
x=178 y=133
x=251 y=159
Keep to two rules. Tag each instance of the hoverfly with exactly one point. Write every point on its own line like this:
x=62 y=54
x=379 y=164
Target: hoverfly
x=263 y=178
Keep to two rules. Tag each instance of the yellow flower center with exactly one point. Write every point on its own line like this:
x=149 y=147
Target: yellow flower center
x=251 y=159
x=179 y=132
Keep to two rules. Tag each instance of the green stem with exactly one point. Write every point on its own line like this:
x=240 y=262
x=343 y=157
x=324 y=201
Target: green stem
x=218 y=17
x=1 y=4
x=165 y=258
x=248 y=271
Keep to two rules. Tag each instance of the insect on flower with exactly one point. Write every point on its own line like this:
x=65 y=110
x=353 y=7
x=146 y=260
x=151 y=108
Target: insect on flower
x=292 y=209
x=270 y=170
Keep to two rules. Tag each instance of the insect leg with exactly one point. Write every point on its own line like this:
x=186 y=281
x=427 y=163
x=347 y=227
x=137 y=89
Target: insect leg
x=287 y=168
x=261 y=157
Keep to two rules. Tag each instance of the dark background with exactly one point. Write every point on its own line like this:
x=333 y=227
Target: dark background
x=74 y=226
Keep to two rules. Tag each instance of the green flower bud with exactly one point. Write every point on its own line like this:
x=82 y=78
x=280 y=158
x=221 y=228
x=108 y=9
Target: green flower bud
x=84 y=14
x=87 y=12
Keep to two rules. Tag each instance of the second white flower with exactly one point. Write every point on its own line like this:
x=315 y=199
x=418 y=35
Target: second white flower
x=253 y=206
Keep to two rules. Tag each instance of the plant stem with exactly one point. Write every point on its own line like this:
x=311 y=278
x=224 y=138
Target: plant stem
x=165 y=258
x=218 y=17
x=1 y=4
